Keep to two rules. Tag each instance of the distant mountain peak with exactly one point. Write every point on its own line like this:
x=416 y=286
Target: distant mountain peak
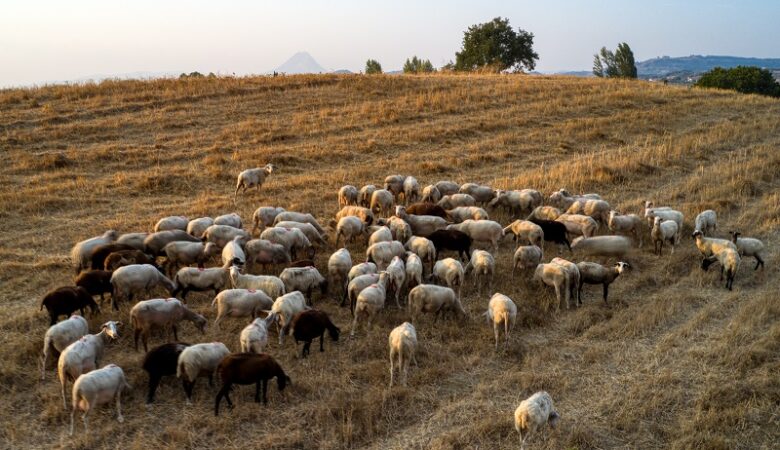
x=301 y=62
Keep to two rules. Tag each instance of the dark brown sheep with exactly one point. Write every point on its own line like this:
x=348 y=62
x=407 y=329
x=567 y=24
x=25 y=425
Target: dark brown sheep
x=96 y=282
x=122 y=258
x=452 y=240
x=553 y=231
x=249 y=368
x=159 y=362
x=65 y=300
x=427 y=209
x=101 y=252
x=308 y=325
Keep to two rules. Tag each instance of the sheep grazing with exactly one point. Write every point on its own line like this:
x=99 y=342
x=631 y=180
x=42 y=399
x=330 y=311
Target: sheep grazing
x=395 y=184
x=292 y=216
x=350 y=228
x=555 y=276
x=253 y=178
x=136 y=279
x=123 y=258
x=563 y=199
x=430 y=194
x=361 y=269
x=421 y=225
x=400 y=229
x=397 y=273
x=190 y=279
x=199 y=360
x=597 y=209
x=159 y=362
x=481 y=194
x=749 y=247
x=292 y=239
x=98 y=387
x=84 y=355
x=381 y=234
x=501 y=311
x=544 y=213
x=370 y=301
x=233 y=253
x=424 y=248
x=592 y=273
x=455 y=200
x=517 y=202
x=263 y=252
x=578 y=224
x=553 y=231
x=525 y=231
x=452 y=240
x=100 y=253
x=427 y=209
x=172 y=223
x=706 y=222
x=626 y=224
x=135 y=240
x=666 y=214
x=231 y=219
x=484 y=231
x=196 y=227
x=364 y=214
x=65 y=300
x=527 y=257
x=710 y=246
x=606 y=246
x=339 y=265
x=183 y=253
x=663 y=231
x=483 y=265
x=249 y=368
x=348 y=195
x=534 y=413
x=382 y=253
x=462 y=213
x=364 y=196
x=382 y=202
x=285 y=308
x=272 y=286
x=447 y=187
x=430 y=298
x=156 y=242
x=61 y=335
x=304 y=279
x=411 y=190
x=573 y=280
x=161 y=313
x=308 y=230
x=403 y=346
x=254 y=337
x=308 y=325
x=96 y=282
x=81 y=252
x=222 y=234
x=414 y=270
x=264 y=216
x=729 y=264
x=357 y=285
x=240 y=303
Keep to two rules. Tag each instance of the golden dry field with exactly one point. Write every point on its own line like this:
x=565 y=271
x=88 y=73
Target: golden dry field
x=677 y=361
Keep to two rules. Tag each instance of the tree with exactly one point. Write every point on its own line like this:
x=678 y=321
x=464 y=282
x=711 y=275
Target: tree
x=373 y=66
x=748 y=80
x=497 y=47
x=620 y=64
x=416 y=65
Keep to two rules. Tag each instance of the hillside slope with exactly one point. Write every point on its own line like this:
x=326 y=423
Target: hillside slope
x=675 y=362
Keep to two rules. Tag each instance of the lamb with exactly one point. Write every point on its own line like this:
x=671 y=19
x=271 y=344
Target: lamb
x=534 y=413
x=430 y=298
x=361 y=269
x=592 y=273
x=424 y=248
x=96 y=282
x=264 y=216
x=364 y=214
x=579 y=224
x=553 y=231
x=544 y=213
x=365 y=195
x=183 y=253
x=626 y=224
x=101 y=252
x=729 y=264
x=61 y=335
x=414 y=270
x=240 y=303
x=483 y=265
x=450 y=272
x=348 y=195
x=263 y=252
x=382 y=202
x=573 y=280
x=196 y=227
x=607 y=246
x=555 y=276
x=350 y=228
x=597 y=209
x=285 y=308
x=84 y=355
x=254 y=337
x=382 y=253
x=156 y=242
x=381 y=234
x=527 y=257
x=462 y=213
x=137 y=278
x=666 y=214
x=447 y=187
x=222 y=234
x=481 y=194
x=411 y=190
x=749 y=247
x=339 y=265
x=399 y=228
x=98 y=387
x=161 y=313
x=516 y=202
x=370 y=301
x=122 y=258
x=233 y=253
x=65 y=300
x=403 y=345
x=481 y=231
x=430 y=194
x=159 y=362
x=272 y=286
x=526 y=231
x=292 y=239
x=427 y=209
x=397 y=273
x=171 y=223
x=663 y=231
x=455 y=200
x=232 y=219
x=193 y=279
x=249 y=368
x=310 y=324
x=452 y=240
x=253 y=178
x=706 y=222
x=421 y=225
x=199 y=360
x=501 y=311
x=357 y=285
x=309 y=230
x=135 y=240
x=81 y=252
x=710 y=246
x=304 y=279
x=395 y=184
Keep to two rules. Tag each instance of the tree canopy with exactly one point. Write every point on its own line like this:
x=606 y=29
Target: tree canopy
x=495 y=46
x=373 y=66
x=417 y=65
x=748 y=80
x=619 y=64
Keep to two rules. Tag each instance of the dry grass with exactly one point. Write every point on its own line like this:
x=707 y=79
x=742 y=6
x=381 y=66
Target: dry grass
x=677 y=362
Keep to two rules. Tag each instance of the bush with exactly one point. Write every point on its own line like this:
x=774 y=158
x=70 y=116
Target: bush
x=748 y=80
x=373 y=66
x=418 y=65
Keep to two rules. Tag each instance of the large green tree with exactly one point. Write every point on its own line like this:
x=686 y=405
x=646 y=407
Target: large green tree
x=418 y=65
x=619 y=64
x=373 y=66
x=748 y=80
x=497 y=47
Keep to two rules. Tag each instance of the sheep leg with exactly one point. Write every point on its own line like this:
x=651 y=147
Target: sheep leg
x=154 y=381
x=392 y=358
x=72 y=414
x=188 y=387
x=257 y=391
x=119 y=417
x=265 y=392
x=759 y=262
x=175 y=336
x=606 y=292
x=136 y=334
x=322 y=338
x=351 y=332
x=62 y=385
x=495 y=332
x=84 y=419
x=224 y=392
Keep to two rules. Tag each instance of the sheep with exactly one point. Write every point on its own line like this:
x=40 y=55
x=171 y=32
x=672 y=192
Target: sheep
x=189 y=279
x=199 y=360
x=231 y=219
x=249 y=368
x=370 y=301
x=544 y=213
x=81 y=252
x=222 y=234
x=414 y=270
x=254 y=337
x=161 y=313
x=399 y=229
x=592 y=273
x=292 y=239
x=421 y=225
x=411 y=190
x=61 y=335
x=98 y=255
x=430 y=194
x=563 y=200
x=264 y=216
x=348 y=195
x=666 y=214
x=395 y=184
x=263 y=252
x=171 y=223
x=527 y=257
x=365 y=195
x=663 y=231
x=749 y=247
x=425 y=249
x=553 y=231
x=729 y=264
x=534 y=413
x=578 y=224
x=84 y=355
x=135 y=240
x=98 y=387
x=555 y=276
x=308 y=230
x=361 y=269
x=455 y=200
x=381 y=234
x=196 y=227
x=481 y=194
x=625 y=224
x=430 y=298
x=339 y=265
x=449 y=272
x=403 y=346
x=397 y=273
x=483 y=265
x=382 y=202
x=350 y=228
x=452 y=240
x=285 y=308
x=253 y=178
x=526 y=231
x=573 y=280
x=597 y=209
x=240 y=303
x=382 y=253
x=447 y=187
x=183 y=253
x=364 y=214
x=501 y=311
x=233 y=253
x=156 y=242
x=122 y=258
x=159 y=362
x=136 y=278
x=516 y=202
x=710 y=246
x=65 y=300
x=272 y=286
x=96 y=282
x=427 y=209
x=304 y=279
x=706 y=222
x=606 y=246
x=356 y=286
x=310 y=324
x=462 y=213
x=481 y=231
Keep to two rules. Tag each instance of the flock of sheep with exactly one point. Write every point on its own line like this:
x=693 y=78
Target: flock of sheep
x=407 y=229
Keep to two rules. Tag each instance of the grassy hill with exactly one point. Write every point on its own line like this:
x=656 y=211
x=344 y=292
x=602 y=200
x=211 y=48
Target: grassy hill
x=677 y=361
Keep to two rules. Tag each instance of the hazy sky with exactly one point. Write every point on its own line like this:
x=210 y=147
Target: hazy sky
x=62 y=40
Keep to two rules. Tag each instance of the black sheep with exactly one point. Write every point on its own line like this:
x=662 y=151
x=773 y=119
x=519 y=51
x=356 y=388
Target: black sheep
x=249 y=368
x=96 y=282
x=308 y=325
x=101 y=252
x=451 y=240
x=553 y=231
x=159 y=362
x=65 y=300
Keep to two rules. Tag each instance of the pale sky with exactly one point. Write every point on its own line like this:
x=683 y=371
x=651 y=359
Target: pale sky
x=45 y=41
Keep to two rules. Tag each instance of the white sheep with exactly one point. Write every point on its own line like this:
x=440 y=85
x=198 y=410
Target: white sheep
x=231 y=219
x=264 y=216
x=399 y=229
x=710 y=246
x=263 y=252
x=285 y=308
x=356 y=286
x=447 y=187
x=706 y=222
x=196 y=227
x=403 y=345
x=579 y=224
x=534 y=413
x=292 y=216
x=606 y=246
x=381 y=234
x=82 y=251
x=339 y=266
x=382 y=202
x=292 y=239
x=663 y=231
x=155 y=242
x=240 y=303
x=195 y=279
x=484 y=231
x=253 y=178
x=592 y=273
x=382 y=253
x=563 y=200
x=161 y=313
x=430 y=298
x=597 y=209
x=729 y=264
x=309 y=230
x=481 y=194
x=183 y=253
x=449 y=272
x=84 y=355
x=350 y=228
x=411 y=190
x=365 y=194
x=364 y=214
x=430 y=194
x=501 y=311
x=526 y=231
x=573 y=279
x=483 y=264
x=348 y=195
x=626 y=224
x=456 y=200
x=171 y=223
x=61 y=335
x=395 y=184
x=747 y=246
x=462 y=213
x=254 y=337
x=304 y=279
x=544 y=213
x=135 y=279
x=397 y=273
x=272 y=286
x=96 y=388
x=423 y=248
x=222 y=234
x=516 y=202
x=527 y=257
x=555 y=276
x=370 y=301
x=199 y=360
x=361 y=269
x=233 y=253
x=414 y=270
x=666 y=214
x=135 y=240
x=421 y=225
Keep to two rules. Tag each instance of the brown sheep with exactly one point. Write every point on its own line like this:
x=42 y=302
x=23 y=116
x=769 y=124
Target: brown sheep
x=65 y=300
x=310 y=324
x=249 y=368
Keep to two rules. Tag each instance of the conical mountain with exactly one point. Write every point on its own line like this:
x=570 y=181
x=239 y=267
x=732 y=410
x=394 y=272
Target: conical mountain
x=301 y=62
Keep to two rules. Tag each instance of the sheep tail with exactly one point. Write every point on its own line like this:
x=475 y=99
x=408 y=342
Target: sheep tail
x=214 y=302
x=180 y=369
